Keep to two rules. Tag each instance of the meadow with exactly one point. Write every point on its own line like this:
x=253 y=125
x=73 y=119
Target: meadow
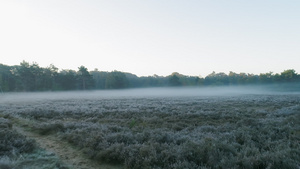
x=155 y=128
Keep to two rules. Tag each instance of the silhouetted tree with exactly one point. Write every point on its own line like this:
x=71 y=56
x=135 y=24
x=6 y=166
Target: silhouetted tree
x=27 y=76
x=66 y=80
x=7 y=78
x=32 y=77
x=289 y=75
x=216 y=79
x=174 y=79
x=266 y=77
x=116 y=80
x=85 y=79
x=99 y=78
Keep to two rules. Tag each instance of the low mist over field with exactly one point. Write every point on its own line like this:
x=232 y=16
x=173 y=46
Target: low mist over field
x=145 y=93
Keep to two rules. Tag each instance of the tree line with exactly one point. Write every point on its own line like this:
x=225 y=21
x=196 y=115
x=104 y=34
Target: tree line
x=32 y=77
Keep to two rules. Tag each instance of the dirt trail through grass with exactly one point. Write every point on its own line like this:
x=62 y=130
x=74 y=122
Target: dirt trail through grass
x=73 y=157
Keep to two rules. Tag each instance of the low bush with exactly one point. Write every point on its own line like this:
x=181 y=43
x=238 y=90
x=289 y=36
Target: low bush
x=252 y=131
x=19 y=152
x=13 y=144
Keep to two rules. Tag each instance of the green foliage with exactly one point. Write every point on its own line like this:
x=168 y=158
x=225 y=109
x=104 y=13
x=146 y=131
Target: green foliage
x=217 y=79
x=132 y=123
x=7 y=79
x=99 y=78
x=66 y=80
x=32 y=77
x=289 y=75
x=116 y=80
x=85 y=80
x=174 y=79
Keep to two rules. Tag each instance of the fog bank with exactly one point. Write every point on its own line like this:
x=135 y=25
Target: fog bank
x=144 y=93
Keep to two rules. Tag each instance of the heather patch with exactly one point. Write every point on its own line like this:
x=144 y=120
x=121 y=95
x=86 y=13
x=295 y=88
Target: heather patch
x=245 y=131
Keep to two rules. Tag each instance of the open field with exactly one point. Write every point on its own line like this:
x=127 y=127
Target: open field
x=103 y=130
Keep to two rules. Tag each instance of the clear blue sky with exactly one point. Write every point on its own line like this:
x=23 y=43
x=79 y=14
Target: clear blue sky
x=146 y=37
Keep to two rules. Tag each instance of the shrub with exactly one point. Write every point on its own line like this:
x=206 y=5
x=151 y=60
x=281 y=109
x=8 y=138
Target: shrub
x=253 y=131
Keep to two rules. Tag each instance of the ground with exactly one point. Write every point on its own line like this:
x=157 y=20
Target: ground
x=207 y=131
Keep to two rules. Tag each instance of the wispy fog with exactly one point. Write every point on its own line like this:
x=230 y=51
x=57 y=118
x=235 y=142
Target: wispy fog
x=142 y=93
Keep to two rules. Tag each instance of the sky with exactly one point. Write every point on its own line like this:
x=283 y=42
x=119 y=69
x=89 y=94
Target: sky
x=147 y=37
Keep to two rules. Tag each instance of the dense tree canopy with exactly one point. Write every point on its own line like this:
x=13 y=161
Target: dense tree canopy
x=85 y=80
x=32 y=77
x=116 y=80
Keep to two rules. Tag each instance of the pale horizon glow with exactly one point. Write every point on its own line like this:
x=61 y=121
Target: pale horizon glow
x=150 y=37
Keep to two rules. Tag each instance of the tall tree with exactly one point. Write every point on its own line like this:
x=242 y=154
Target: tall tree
x=7 y=78
x=26 y=74
x=66 y=80
x=289 y=75
x=116 y=80
x=174 y=79
x=99 y=78
x=266 y=77
x=86 y=80
x=49 y=78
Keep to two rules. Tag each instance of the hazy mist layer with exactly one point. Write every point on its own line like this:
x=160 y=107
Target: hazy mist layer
x=140 y=93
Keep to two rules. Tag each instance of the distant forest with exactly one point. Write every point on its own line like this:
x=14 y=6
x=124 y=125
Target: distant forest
x=32 y=77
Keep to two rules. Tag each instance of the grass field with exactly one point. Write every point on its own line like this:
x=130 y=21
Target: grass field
x=175 y=131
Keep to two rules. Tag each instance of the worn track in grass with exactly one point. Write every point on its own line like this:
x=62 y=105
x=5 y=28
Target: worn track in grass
x=69 y=155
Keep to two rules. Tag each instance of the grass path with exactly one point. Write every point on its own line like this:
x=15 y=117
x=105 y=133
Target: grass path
x=69 y=155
